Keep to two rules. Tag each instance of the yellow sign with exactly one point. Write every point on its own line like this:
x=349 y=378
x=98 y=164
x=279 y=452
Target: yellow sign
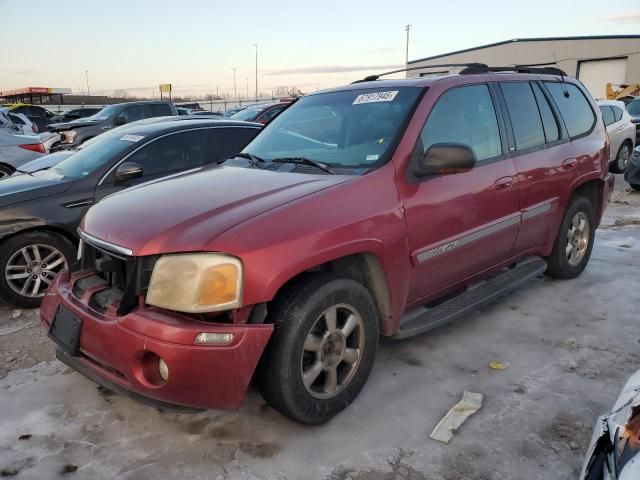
x=165 y=87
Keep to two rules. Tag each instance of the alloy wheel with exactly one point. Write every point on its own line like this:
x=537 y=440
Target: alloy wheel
x=332 y=351
x=623 y=157
x=30 y=270
x=577 y=239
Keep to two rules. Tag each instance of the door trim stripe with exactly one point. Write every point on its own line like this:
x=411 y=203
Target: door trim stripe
x=467 y=239
x=539 y=210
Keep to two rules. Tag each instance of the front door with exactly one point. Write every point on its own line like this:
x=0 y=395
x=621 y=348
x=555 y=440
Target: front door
x=461 y=224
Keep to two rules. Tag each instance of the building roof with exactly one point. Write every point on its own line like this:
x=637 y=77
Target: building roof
x=522 y=40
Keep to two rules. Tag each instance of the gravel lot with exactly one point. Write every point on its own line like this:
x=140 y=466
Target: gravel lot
x=568 y=347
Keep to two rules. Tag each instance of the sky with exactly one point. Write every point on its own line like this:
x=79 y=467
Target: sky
x=135 y=45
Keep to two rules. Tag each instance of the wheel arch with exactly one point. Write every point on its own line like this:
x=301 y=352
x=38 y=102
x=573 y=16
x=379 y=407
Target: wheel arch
x=592 y=190
x=364 y=267
x=42 y=228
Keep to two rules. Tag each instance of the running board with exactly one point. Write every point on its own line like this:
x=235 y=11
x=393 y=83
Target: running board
x=423 y=319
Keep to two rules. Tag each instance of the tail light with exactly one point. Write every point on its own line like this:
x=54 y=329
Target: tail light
x=606 y=151
x=34 y=127
x=34 y=147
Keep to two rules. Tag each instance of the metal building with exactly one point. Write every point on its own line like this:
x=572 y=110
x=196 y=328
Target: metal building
x=595 y=60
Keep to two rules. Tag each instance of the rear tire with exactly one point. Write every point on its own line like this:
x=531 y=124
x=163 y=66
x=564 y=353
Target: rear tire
x=619 y=165
x=572 y=248
x=28 y=264
x=322 y=349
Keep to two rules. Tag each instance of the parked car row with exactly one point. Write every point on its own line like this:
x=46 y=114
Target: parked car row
x=384 y=207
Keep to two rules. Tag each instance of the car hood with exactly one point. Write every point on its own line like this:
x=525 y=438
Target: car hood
x=47 y=161
x=22 y=188
x=81 y=122
x=185 y=213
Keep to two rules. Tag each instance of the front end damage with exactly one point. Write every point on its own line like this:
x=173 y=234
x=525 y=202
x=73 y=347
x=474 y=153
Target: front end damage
x=614 y=451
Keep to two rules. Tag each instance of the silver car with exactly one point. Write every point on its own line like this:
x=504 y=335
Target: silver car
x=16 y=148
x=622 y=133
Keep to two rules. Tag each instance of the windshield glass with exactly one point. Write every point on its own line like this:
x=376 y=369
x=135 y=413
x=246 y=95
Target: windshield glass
x=634 y=107
x=93 y=155
x=105 y=113
x=248 y=114
x=346 y=129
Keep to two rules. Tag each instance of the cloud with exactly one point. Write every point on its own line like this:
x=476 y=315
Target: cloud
x=334 y=69
x=627 y=17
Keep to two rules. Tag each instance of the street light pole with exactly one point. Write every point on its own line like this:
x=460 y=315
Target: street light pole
x=407 y=28
x=256 y=45
x=235 y=90
x=86 y=73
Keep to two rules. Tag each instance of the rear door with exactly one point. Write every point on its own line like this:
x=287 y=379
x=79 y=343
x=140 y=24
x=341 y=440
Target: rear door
x=461 y=224
x=547 y=167
x=166 y=155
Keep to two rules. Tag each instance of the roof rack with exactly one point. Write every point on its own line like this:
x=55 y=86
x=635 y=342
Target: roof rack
x=371 y=78
x=516 y=68
x=473 y=68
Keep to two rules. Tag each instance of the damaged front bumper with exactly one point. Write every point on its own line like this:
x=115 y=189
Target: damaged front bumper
x=614 y=451
x=123 y=352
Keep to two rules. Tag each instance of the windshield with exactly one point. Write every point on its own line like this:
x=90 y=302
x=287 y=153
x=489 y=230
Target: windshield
x=346 y=129
x=634 y=107
x=248 y=114
x=94 y=154
x=105 y=113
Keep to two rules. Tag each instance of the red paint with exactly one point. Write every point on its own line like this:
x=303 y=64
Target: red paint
x=282 y=224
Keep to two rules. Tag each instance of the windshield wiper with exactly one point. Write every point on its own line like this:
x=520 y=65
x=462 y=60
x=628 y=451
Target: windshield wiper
x=305 y=161
x=248 y=156
x=31 y=173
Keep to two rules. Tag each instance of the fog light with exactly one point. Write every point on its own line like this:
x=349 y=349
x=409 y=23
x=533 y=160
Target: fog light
x=205 y=338
x=163 y=369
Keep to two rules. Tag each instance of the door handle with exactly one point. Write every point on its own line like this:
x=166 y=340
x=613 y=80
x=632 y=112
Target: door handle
x=569 y=163
x=503 y=183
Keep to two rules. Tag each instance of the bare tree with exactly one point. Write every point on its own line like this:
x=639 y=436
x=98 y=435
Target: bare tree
x=120 y=93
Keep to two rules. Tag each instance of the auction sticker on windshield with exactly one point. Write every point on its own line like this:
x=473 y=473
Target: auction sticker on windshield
x=132 y=138
x=375 y=97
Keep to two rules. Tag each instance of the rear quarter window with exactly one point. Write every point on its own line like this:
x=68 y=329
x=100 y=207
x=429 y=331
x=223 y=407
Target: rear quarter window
x=160 y=110
x=607 y=115
x=617 y=112
x=574 y=107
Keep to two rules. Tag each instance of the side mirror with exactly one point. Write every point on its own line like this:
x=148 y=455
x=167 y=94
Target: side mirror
x=119 y=121
x=445 y=158
x=128 y=171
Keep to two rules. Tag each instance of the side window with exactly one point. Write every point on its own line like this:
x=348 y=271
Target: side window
x=132 y=113
x=549 y=121
x=574 y=107
x=228 y=141
x=464 y=115
x=173 y=153
x=617 y=113
x=159 y=110
x=16 y=119
x=271 y=114
x=524 y=114
x=607 y=115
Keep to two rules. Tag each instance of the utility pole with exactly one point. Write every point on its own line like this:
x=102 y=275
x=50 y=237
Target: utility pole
x=256 y=45
x=235 y=90
x=407 y=28
x=86 y=73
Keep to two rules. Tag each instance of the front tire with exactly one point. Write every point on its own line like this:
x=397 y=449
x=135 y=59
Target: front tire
x=322 y=349
x=28 y=264
x=572 y=248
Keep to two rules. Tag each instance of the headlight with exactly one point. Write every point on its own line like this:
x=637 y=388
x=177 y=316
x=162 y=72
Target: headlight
x=196 y=282
x=69 y=136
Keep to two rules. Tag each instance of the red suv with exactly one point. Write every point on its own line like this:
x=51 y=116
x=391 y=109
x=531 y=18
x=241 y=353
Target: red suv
x=377 y=208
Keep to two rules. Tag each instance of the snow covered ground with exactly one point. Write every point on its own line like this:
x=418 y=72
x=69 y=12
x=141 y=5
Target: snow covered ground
x=568 y=347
